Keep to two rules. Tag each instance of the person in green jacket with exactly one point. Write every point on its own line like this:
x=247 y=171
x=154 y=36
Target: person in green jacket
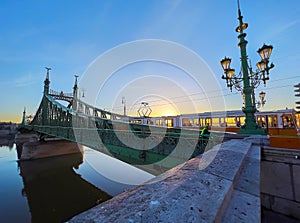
x=205 y=131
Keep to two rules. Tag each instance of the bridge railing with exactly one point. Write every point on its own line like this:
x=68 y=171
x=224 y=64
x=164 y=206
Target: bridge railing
x=161 y=142
x=60 y=93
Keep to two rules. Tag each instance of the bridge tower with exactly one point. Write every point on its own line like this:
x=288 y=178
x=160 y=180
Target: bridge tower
x=75 y=93
x=45 y=105
x=47 y=81
x=24 y=117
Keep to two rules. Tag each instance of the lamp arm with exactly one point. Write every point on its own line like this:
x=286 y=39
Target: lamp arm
x=270 y=67
x=256 y=79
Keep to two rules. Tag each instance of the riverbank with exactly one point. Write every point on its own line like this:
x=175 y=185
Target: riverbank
x=8 y=129
x=7 y=133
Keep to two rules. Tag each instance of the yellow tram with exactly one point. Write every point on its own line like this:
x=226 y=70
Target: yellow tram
x=280 y=122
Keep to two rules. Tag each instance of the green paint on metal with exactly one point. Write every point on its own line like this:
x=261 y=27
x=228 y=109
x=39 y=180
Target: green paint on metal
x=250 y=126
x=93 y=127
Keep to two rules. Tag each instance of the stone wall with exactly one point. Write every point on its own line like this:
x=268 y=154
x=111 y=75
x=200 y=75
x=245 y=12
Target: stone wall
x=280 y=181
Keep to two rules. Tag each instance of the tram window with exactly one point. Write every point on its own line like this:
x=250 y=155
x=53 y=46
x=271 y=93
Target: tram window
x=287 y=121
x=149 y=122
x=196 y=122
x=185 y=122
x=158 y=122
x=242 y=120
x=222 y=122
x=261 y=120
x=137 y=121
x=272 y=121
x=169 y=122
x=258 y=119
x=207 y=121
x=297 y=119
x=215 y=122
x=202 y=121
x=231 y=121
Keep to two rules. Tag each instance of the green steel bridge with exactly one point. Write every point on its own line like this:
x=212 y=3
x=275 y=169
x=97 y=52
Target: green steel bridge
x=147 y=147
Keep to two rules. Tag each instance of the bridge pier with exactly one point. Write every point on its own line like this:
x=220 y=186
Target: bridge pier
x=56 y=147
x=29 y=147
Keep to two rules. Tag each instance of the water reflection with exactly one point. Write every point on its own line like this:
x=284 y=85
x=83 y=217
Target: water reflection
x=54 y=191
x=113 y=176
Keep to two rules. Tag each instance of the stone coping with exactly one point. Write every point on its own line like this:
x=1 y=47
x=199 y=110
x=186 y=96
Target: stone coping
x=200 y=190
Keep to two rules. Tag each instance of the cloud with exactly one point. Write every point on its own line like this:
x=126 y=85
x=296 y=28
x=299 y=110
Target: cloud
x=25 y=81
x=288 y=26
x=161 y=17
x=281 y=30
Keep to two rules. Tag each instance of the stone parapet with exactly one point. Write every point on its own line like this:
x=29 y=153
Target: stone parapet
x=221 y=185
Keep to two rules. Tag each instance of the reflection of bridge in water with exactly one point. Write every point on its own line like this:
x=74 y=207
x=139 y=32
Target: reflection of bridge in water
x=54 y=191
x=130 y=142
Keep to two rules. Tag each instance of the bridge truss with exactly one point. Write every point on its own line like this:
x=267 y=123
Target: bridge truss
x=151 y=148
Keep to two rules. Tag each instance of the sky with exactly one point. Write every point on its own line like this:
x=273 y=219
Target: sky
x=72 y=37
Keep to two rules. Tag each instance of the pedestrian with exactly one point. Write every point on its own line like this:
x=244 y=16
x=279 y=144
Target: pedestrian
x=205 y=131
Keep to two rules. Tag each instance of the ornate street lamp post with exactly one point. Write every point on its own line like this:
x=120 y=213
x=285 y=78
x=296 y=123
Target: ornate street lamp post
x=250 y=79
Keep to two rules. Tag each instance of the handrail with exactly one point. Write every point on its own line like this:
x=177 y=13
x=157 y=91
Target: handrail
x=61 y=93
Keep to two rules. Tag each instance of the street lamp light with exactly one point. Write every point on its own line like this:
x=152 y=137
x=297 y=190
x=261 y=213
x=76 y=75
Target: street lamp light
x=260 y=103
x=262 y=98
x=265 y=52
x=247 y=79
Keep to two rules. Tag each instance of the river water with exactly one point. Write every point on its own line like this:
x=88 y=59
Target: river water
x=58 y=188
